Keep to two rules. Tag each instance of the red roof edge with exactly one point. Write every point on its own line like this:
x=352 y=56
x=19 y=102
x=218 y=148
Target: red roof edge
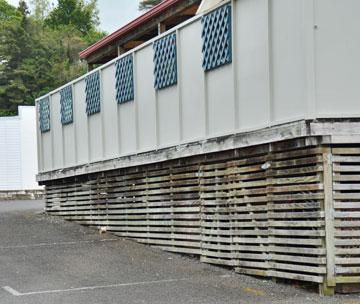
x=156 y=10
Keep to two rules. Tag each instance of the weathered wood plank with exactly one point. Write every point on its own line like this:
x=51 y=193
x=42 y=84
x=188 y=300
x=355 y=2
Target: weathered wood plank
x=329 y=218
x=225 y=207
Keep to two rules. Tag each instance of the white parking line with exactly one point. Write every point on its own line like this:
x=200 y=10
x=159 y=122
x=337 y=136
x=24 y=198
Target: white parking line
x=12 y=291
x=19 y=294
x=16 y=293
x=57 y=244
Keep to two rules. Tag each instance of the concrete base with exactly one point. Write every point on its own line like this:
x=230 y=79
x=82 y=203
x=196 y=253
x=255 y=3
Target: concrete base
x=21 y=195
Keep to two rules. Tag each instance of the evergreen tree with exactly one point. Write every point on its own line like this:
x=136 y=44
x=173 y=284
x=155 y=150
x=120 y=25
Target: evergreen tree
x=23 y=9
x=36 y=57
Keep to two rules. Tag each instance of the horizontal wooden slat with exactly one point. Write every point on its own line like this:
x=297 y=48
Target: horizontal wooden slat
x=226 y=207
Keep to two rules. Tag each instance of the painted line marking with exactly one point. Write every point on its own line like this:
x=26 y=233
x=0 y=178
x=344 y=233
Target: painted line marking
x=57 y=244
x=12 y=291
x=16 y=293
x=19 y=294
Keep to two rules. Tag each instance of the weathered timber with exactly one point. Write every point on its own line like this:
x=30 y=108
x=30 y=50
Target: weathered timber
x=288 y=211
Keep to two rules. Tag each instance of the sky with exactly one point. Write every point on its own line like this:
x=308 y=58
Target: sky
x=113 y=13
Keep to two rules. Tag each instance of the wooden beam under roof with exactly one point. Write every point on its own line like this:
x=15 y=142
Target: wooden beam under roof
x=185 y=9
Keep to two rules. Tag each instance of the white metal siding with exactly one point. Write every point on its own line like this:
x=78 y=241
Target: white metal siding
x=18 y=153
x=10 y=155
x=29 y=167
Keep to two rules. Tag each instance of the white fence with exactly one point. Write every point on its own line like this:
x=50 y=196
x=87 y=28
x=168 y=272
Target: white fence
x=291 y=60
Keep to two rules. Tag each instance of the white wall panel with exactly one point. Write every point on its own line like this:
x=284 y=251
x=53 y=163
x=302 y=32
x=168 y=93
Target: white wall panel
x=288 y=77
x=80 y=120
x=337 y=57
x=69 y=145
x=69 y=142
x=191 y=77
x=28 y=149
x=220 y=98
x=95 y=137
x=145 y=98
x=168 y=116
x=47 y=150
x=251 y=62
x=109 y=108
x=56 y=131
x=127 y=129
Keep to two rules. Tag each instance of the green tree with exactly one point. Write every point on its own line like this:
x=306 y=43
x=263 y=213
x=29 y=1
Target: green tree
x=77 y=13
x=36 y=58
x=8 y=12
x=13 y=38
x=23 y=9
x=147 y=4
x=40 y=8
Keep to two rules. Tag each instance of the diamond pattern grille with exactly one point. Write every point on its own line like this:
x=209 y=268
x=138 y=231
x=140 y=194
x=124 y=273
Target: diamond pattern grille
x=66 y=105
x=165 y=62
x=92 y=91
x=124 y=79
x=44 y=114
x=216 y=36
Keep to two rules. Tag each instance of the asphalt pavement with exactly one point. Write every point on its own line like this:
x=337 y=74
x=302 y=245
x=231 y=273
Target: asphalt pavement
x=45 y=260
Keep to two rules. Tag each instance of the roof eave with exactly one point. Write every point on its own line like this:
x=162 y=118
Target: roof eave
x=156 y=10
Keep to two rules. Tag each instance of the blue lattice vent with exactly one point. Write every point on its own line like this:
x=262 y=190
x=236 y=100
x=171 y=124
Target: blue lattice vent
x=66 y=105
x=216 y=36
x=165 y=62
x=92 y=91
x=124 y=79
x=44 y=114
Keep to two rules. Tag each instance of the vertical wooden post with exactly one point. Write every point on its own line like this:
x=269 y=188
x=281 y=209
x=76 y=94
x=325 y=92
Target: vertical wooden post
x=120 y=50
x=161 y=28
x=202 y=230
x=269 y=174
x=172 y=202
x=328 y=286
x=90 y=67
x=148 y=227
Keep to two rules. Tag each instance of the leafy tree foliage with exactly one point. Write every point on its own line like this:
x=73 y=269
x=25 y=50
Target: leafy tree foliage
x=41 y=8
x=76 y=13
x=38 y=53
x=8 y=12
x=146 y=4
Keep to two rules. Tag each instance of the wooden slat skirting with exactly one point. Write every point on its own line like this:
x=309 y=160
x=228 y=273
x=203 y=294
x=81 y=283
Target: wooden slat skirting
x=284 y=209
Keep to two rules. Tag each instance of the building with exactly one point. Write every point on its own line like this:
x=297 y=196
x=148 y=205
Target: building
x=18 y=156
x=233 y=136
